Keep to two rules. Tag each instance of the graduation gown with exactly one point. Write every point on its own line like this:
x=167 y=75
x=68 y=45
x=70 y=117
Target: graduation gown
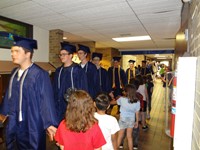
x=30 y=106
x=130 y=74
x=65 y=78
x=144 y=71
x=103 y=80
x=116 y=87
x=92 y=79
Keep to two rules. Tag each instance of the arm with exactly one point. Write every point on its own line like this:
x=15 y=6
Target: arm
x=51 y=131
x=137 y=119
x=113 y=102
x=114 y=141
x=146 y=94
x=170 y=81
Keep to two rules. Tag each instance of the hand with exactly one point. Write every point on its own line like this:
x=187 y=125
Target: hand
x=51 y=131
x=136 y=125
x=111 y=95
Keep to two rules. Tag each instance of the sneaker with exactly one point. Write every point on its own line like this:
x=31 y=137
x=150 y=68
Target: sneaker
x=145 y=128
x=121 y=146
x=135 y=146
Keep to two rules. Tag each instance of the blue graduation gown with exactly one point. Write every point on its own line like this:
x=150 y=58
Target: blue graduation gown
x=144 y=71
x=92 y=79
x=132 y=74
x=117 y=89
x=37 y=109
x=63 y=79
x=103 y=80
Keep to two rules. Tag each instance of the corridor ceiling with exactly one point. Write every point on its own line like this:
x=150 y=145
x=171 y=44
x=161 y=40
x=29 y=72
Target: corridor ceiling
x=102 y=20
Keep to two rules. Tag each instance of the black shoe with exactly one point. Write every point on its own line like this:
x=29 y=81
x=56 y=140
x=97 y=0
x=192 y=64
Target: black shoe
x=145 y=128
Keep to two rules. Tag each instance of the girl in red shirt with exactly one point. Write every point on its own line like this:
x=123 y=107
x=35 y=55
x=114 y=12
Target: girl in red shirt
x=79 y=129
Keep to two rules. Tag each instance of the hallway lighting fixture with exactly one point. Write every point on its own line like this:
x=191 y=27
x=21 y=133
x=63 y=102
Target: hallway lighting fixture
x=132 y=38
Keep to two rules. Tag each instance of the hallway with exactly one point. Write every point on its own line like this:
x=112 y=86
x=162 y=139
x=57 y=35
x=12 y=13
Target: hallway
x=154 y=138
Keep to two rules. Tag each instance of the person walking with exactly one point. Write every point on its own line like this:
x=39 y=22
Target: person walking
x=29 y=101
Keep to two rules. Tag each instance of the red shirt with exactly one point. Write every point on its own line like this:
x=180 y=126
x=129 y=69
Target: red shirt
x=91 y=139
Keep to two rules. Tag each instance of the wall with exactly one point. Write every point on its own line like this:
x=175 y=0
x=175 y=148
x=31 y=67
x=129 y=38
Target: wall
x=194 y=50
x=41 y=54
x=138 y=60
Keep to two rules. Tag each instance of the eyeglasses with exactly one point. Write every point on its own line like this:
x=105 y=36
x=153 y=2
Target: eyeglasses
x=63 y=54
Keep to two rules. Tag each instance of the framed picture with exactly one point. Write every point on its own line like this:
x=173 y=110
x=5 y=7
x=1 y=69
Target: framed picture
x=10 y=27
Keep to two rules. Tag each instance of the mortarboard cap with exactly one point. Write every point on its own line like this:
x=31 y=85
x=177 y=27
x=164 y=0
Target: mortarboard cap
x=27 y=43
x=131 y=61
x=83 y=48
x=68 y=47
x=116 y=58
x=99 y=55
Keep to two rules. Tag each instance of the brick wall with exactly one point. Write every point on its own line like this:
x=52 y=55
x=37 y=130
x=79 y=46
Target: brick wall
x=194 y=49
x=55 y=37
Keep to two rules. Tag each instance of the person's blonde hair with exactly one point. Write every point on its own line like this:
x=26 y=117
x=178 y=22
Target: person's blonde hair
x=79 y=116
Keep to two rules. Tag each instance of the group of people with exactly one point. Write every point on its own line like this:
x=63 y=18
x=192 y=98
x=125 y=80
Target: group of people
x=65 y=109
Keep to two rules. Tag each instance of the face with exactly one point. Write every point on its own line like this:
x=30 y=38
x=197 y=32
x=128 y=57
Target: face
x=116 y=64
x=96 y=61
x=81 y=55
x=143 y=64
x=64 y=56
x=131 y=65
x=19 y=56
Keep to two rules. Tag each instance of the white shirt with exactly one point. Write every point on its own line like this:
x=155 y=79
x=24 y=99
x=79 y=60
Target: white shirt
x=108 y=125
x=142 y=90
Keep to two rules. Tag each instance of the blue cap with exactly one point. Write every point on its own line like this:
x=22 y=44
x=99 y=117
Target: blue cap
x=131 y=61
x=27 y=43
x=116 y=59
x=99 y=55
x=83 y=48
x=68 y=47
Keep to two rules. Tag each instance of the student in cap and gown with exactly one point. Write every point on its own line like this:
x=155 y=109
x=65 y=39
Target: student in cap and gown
x=29 y=101
x=67 y=77
x=131 y=72
x=102 y=73
x=117 y=77
x=90 y=70
x=144 y=70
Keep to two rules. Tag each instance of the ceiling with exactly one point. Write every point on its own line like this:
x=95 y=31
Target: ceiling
x=102 y=20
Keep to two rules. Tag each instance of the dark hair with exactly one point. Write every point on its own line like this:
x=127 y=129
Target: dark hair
x=149 y=77
x=131 y=93
x=135 y=82
x=80 y=112
x=102 y=101
x=140 y=79
x=26 y=51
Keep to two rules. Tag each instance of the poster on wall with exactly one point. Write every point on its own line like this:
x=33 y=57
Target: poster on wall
x=10 y=27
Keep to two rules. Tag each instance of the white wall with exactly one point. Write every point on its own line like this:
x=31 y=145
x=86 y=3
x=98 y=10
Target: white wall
x=41 y=54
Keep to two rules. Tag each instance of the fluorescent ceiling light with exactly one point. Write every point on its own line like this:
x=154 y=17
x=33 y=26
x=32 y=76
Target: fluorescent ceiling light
x=64 y=38
x=132 y=38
